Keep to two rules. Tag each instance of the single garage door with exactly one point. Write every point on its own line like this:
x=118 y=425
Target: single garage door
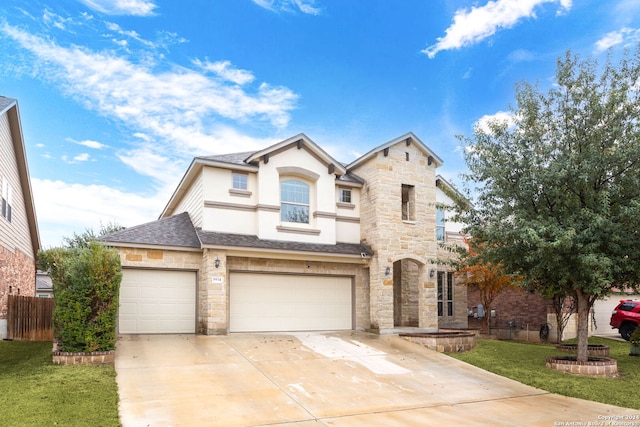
x=157 y=302
x=273 y=302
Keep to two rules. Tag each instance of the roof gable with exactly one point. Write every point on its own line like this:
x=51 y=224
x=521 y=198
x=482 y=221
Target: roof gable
x=9 y=107
x=407 y=138
x=300 y=141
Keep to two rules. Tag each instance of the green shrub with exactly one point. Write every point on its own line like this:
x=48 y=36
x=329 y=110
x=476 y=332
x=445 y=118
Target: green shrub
x=86 y=283
x=635 y=336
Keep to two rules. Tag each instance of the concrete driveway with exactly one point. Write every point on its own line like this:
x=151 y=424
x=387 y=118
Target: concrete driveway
x=315 y=379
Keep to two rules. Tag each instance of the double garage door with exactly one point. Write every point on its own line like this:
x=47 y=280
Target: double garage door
x=278 y=302
x=163 y=301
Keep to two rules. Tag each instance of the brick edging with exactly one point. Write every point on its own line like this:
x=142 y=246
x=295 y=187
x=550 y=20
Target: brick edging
x=597 y=367
x=84 y=358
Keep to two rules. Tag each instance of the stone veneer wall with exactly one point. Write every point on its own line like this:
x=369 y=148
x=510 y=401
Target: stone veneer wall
x=392 y=239
x=18 y=273
x=406 y=301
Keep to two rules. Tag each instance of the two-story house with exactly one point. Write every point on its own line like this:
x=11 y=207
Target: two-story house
x=19 y=237
x=290 y=239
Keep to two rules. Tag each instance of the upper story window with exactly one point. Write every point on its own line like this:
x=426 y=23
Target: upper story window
x=7 y=196
x=239 y=181
x=408 y=203
x=294 y=201
x=345 y=195
x=440 y=224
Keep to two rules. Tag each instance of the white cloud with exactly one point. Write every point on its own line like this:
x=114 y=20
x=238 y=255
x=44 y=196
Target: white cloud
x=149 y=162
x=471 y=26
x=127 y=33
x=625 y=35
x=89 y=143
x=176 y=107
x=304 y=6
x=83 y=157
x=63 y=208
x=55 y=20
x=500 y=116
x=226 y=71
x=122 y=7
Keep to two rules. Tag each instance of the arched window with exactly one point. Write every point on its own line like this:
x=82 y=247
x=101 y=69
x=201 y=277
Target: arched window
x=294 y=205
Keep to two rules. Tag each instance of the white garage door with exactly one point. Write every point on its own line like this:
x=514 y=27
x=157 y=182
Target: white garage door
x=270 y=302
x=157 y=302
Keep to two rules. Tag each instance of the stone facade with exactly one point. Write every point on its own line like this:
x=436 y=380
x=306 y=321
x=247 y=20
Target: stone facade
x=400 y=177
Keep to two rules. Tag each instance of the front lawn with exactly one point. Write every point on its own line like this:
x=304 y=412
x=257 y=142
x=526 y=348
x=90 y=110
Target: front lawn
x=525 y=362
x=35 y=392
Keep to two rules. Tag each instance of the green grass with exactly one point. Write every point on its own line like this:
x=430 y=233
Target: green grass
x=35 y=392
x=525 y=363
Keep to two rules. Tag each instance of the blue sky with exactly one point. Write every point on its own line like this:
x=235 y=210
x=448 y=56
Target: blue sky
x=117 y=96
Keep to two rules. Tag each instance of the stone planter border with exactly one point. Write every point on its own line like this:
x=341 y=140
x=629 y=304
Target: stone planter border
x=594 y=367
x=93 y=358
x=594 y=350
x=443 y=342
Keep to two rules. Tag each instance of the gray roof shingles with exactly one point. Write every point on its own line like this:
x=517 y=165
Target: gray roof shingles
x=5 y=102
x=175 y=230
x=250 y=241
x=178 y=231
x=233 y=158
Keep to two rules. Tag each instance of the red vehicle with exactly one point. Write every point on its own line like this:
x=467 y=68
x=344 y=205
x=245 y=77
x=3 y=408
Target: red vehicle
x=626 y=317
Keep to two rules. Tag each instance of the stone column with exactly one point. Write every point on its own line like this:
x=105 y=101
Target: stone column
x=428 y=303
x=381 y=293
x=213 y=296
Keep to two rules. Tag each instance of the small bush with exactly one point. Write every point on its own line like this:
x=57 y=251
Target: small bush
x=86 y=283
x=635 y=336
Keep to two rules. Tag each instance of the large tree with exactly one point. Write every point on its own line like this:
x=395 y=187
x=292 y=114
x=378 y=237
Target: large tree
x=558 y=186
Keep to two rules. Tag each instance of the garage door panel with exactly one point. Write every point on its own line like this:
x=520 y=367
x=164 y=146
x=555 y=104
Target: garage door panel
x=271 y=302
x=157 y=301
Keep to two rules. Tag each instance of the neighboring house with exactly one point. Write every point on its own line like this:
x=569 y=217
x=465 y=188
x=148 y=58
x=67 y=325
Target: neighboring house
x=44 y=285
x=289 y=239
x=515 y=313
x=19 y=238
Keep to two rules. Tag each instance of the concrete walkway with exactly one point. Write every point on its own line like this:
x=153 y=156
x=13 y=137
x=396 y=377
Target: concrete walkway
x=324 y=379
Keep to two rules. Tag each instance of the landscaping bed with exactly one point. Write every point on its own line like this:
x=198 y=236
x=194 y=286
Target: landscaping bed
x=526 y=363
x=444 y=342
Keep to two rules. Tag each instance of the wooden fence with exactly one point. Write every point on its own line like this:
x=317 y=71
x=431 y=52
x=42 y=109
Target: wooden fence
x=30 y=318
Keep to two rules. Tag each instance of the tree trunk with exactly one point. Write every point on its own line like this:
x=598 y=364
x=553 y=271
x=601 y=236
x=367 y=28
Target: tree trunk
x=583 y=325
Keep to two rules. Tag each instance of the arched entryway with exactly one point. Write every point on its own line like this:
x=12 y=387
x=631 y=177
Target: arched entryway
x=406 y=293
